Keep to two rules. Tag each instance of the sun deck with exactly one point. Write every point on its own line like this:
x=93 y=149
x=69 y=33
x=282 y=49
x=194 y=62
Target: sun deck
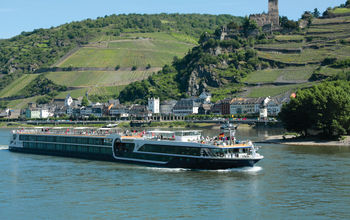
x=93 y=132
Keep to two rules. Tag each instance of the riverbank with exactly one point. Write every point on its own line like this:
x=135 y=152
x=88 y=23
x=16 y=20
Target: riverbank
x=155 y=124
x=302 y=141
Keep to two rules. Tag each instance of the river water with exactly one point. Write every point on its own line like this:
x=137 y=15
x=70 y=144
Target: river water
x=291 y=182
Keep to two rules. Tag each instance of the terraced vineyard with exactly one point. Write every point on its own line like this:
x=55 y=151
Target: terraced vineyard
x=285 y=75
x=301 y=54
x=97 y=78
x=148 y=52
x=156 y=49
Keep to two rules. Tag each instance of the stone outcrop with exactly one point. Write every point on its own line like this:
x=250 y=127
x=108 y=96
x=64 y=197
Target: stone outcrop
x=201 y=78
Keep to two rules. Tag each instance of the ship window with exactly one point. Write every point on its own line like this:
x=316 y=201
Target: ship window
x=107 y=150
x=60 y=139
x=73 y=148
x=91 y=140
x=58 y=147
x=51 y=138
x=32 y=138
x=51 y=146
x=84 y=140
x=171 y=149
x=23 y=137
x=41 y=138
x=68 y=139
x=108 y=141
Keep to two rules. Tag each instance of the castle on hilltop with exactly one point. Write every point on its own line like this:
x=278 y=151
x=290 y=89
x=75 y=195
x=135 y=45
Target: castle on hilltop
x=269 y=21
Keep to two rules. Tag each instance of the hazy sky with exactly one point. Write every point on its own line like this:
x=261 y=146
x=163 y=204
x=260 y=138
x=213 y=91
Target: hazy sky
x=25 y=15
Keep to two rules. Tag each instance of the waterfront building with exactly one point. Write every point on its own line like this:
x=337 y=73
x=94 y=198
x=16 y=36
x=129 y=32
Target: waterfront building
x=33 y=113
x=139 y=111
x=205 y=109
x=153 y=105
x=187 y=106
x=119 y=111
x=245 y=106
x=166 y=107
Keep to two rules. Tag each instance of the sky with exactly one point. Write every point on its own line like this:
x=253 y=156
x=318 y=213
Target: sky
x=26 y=15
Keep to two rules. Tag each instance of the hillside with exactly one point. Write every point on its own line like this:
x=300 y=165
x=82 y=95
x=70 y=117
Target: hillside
x=134 y=57
x=260 y=65
x=116 y=43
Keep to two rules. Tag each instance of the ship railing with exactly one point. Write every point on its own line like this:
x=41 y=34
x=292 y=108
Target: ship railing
x=229 y=155
x=45 y=131
x=224 y=143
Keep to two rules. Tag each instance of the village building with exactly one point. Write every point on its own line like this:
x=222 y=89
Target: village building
x=205 y=109
x=166 y=107
x=5 y=113
x=139 y=111
x=186 y=106
x=245 y=106
x=33 y=113
x=119 y=111
x=205 y=97
x=216 y=108
x=68 y=100
x=153 y=105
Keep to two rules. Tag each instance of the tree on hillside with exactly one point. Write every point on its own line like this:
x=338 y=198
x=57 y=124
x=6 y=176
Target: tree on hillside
x=290 y=25
x=324 y=108
x=316 y=13
x=249 y=26
x=85 y=101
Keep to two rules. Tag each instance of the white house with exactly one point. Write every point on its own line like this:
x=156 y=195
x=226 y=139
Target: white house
x=153 y=105
x=44 y=113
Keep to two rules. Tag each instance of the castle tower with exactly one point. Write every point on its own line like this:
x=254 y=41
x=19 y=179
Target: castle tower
x=273 y=13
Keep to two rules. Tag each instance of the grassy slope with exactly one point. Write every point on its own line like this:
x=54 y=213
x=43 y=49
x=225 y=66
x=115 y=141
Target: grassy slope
x=128 y=50
x=22 y=103
x=107 y=90
x=285 y=74
x=264 y=91
x=13 y=88
x=97 y=78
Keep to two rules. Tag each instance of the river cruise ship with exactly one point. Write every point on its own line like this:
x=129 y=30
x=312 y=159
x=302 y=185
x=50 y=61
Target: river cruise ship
x=172 y=149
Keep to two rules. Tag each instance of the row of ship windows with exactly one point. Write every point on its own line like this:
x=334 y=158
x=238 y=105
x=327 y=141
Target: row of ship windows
x=141 y=156
x=188 y=150
x=62 y=139
x=171 y=149
x=68 y=148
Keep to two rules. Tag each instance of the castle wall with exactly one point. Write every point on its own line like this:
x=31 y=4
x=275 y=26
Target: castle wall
x=271 y=19
x=273 y=12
